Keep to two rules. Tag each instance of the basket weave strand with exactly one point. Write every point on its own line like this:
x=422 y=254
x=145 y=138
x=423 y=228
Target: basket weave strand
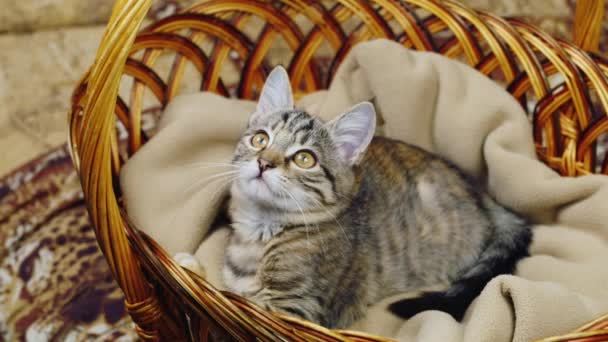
x=168 y=302
x=588 y=19
x=95 y=162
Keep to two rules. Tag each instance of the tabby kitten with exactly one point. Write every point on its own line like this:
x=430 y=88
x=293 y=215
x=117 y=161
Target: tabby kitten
x=328 y=219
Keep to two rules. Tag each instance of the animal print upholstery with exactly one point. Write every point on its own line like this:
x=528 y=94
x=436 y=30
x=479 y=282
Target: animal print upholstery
x=55 y=284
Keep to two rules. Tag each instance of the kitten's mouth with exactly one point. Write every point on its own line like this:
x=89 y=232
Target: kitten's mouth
x=260 y=181
x=258 y=178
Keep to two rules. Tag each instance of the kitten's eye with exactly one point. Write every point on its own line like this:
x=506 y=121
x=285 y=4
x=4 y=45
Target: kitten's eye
x=260 y=140
x=305 y=159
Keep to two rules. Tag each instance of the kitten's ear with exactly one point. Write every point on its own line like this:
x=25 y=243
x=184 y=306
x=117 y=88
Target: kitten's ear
x=276 y=94
x=353 y=131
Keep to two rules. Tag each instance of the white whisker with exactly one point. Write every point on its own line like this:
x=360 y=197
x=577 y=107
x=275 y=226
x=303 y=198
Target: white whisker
x=206 y=165
x=299 y=206
x=331 y=215
x=284 y=189
x=200 y=185
x=230 y=180
x=215 y=176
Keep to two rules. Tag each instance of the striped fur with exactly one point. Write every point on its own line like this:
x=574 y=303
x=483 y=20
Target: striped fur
x=325 y=243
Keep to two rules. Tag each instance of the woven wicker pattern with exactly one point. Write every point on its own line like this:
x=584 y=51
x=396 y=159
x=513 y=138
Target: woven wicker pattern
x=563 y=89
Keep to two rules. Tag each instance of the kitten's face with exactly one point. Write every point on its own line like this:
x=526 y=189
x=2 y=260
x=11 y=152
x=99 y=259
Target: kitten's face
x=287 y=160
x=292 y=161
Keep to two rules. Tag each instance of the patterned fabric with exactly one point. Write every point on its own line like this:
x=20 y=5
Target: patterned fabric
x=55 y=284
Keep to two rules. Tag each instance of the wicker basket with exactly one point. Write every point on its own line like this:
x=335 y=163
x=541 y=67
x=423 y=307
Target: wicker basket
x=169 y=303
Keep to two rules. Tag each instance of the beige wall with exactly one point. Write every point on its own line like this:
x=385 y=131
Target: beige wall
x=32 y=15
x=45 y=45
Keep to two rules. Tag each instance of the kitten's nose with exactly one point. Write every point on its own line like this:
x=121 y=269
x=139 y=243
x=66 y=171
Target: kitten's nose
x=265 y=164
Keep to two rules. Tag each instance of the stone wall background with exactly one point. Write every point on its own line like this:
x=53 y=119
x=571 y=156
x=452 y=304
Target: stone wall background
x=46 y=45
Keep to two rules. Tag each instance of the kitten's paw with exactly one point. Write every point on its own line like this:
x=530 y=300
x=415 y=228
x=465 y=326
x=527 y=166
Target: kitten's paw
x=189 y=262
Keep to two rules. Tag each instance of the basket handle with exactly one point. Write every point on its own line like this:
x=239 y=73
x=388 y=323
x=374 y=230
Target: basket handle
x=588 y=18
x=95 y=163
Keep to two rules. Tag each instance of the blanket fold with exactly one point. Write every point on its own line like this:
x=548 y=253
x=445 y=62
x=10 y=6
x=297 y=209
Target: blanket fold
x=172 y=191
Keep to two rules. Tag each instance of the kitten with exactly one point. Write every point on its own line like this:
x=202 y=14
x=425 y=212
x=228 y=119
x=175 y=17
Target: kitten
x=328 y=219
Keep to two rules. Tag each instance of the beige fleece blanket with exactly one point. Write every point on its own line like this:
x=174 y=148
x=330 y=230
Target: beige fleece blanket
x=443 y=106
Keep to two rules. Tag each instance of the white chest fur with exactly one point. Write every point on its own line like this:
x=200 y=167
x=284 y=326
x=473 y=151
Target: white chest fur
x=253 y=228
x=255 y=224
